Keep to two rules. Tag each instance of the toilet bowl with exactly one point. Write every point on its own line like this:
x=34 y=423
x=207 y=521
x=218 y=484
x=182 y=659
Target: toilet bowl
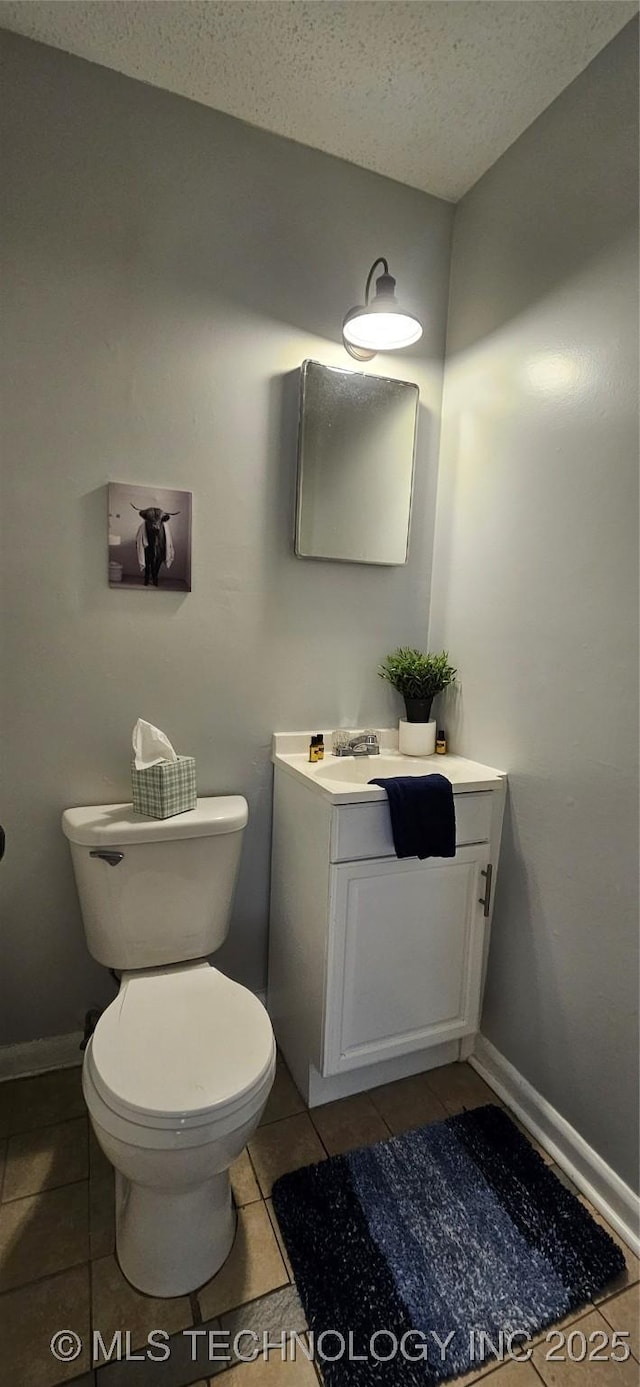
x=179 y=1068
x=175 y=1078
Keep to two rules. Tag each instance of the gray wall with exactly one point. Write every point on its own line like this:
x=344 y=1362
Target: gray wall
x=535 y=584
x=166 y=268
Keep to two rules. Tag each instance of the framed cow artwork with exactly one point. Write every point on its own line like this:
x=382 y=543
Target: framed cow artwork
x=149 y=537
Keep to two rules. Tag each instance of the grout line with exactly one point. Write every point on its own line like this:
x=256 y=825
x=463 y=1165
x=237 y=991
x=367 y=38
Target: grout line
x=384 y=1121
x=48 y=1276
x=255 y=1176
x=317 y=1131
x=273 y=1122
x=277 y=1233
x=44 y=1126
x=91 y=1325
x=324 y=1148
x=299 y=1112
x=38 y=1280
x=613 y=1295
x=47 y=1189
x=81 y=1377
x=244 y=1305
x=196 y=1313
x=39 y=1194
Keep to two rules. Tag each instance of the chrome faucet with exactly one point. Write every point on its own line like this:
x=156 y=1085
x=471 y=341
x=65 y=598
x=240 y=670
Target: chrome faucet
x=360 y=744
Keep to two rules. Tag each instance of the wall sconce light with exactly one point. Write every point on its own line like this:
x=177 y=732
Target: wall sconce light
x=382 y=325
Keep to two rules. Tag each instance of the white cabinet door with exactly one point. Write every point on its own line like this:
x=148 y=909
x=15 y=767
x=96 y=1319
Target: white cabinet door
x=404 y=966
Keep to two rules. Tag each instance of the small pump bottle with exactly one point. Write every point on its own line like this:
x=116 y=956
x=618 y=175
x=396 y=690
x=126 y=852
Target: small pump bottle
x=320 y=747
x=441 y=742
x=313 y=749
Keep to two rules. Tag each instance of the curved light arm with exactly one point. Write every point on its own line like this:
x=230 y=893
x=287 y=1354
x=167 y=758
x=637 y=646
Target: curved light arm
x=380 y=261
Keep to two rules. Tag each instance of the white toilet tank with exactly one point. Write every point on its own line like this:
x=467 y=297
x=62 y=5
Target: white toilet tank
x=156 y=891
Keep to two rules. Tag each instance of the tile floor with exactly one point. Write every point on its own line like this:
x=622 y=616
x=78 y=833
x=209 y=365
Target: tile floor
x=58 y=1269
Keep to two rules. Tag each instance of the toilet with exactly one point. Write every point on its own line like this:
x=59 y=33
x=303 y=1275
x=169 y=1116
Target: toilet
x=180 y=1065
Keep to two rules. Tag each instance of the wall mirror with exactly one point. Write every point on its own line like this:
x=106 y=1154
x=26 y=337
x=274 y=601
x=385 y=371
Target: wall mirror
x=356 y=447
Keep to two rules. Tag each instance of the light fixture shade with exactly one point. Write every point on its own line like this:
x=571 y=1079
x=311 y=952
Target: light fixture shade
x=383 y=330
x=382 y=325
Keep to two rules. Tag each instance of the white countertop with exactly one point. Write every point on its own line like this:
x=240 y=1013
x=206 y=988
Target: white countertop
x=343 y=779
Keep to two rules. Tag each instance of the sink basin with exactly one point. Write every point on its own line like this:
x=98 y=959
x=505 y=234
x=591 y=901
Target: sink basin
x=359 y=770
x=345 y=779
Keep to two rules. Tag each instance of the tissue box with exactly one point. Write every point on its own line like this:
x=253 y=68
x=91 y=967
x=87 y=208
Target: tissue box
x=166 y=789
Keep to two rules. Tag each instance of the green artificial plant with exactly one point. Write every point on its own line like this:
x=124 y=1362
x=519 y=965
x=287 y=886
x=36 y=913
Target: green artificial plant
x=418 y=675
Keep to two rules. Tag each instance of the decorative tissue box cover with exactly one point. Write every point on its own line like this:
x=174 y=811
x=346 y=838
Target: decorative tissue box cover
x=166 y=789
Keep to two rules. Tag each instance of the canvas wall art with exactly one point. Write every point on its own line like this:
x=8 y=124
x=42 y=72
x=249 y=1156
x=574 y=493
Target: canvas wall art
x=149 y=538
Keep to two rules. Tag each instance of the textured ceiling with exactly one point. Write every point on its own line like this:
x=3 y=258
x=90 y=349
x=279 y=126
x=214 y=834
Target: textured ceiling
x=428 y=93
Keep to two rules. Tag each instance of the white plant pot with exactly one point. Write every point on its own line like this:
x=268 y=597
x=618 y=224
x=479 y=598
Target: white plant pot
x=416 y=738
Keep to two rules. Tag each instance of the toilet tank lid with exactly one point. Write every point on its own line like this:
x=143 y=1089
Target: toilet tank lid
x=105 y=825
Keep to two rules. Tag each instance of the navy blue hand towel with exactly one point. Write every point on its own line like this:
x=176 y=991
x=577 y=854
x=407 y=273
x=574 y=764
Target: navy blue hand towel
x=423 y=817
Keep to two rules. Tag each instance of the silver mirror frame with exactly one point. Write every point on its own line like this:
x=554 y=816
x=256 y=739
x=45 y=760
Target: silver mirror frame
x=358 y=375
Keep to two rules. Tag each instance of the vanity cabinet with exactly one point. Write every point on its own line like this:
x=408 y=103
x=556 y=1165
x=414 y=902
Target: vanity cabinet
x=376 y=965
x=404 y=957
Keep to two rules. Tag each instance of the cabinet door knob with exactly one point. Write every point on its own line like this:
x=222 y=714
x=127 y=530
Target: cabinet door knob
x=485 y=900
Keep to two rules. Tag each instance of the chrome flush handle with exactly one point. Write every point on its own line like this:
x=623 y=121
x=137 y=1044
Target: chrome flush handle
x=113 y=858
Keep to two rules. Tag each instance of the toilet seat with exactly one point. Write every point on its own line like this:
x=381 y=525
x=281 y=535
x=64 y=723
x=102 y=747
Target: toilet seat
x=181 y=1047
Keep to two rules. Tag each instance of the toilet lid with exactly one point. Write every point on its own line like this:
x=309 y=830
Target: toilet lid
x=181 y=1044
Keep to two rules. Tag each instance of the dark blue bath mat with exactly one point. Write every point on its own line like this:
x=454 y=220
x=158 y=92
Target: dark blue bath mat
x=417 y=1259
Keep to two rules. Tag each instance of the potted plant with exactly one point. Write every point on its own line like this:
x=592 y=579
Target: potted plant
x=417 y=675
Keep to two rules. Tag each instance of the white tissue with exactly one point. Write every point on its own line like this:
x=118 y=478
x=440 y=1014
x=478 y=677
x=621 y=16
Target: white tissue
x=150 y=746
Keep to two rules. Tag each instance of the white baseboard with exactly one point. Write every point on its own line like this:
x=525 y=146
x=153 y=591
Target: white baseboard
x=38 y=1056
x=615 y=1200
